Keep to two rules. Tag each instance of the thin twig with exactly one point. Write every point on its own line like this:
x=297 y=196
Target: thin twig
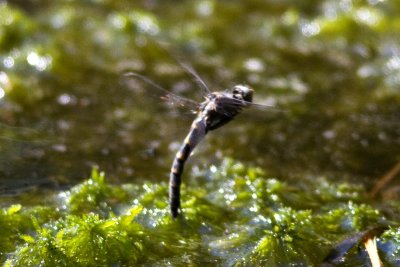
x=384 y=180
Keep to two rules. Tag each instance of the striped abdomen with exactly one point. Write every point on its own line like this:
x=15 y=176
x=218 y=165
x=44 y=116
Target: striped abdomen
x=197 y=132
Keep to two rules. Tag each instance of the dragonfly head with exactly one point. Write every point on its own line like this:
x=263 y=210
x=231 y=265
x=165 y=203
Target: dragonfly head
x=242 y=92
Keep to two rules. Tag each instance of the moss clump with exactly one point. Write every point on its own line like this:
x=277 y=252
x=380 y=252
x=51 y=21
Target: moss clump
x=85 y=240
x=93 y=195
x=235 y=216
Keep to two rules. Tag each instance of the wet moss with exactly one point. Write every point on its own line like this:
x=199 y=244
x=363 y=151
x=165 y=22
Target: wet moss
x=237 y=217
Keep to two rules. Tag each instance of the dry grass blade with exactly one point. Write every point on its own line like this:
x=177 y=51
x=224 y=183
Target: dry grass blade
x=381 y=183
x=372 y=250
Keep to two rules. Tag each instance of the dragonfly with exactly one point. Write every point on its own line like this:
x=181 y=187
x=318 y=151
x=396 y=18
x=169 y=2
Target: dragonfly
x=216 y=110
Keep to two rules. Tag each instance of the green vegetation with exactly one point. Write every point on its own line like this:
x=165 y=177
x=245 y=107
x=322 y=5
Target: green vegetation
x=237 y=216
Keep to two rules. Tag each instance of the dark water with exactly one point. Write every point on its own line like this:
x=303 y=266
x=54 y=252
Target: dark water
x=333 y=67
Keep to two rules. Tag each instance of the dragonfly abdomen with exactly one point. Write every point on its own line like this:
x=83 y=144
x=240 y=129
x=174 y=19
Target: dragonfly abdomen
x=197 y=132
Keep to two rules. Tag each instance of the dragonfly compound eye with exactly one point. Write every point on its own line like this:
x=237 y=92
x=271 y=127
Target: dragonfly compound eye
x=243 y=92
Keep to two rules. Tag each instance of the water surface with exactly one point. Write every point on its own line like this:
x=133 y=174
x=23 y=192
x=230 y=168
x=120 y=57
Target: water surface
x=333 y=67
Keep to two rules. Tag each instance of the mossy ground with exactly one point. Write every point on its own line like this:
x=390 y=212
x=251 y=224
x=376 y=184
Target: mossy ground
x=232 y=216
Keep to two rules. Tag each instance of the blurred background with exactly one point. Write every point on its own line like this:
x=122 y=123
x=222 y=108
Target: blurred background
x=330 y=69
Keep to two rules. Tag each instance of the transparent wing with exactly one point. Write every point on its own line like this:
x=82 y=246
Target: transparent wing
x=233 y=103
x=179 y=101
x=167 y=96
x=272 y=108
x=166 y=46
x=200 y=82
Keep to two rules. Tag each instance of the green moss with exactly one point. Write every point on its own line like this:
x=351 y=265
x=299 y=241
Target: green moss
x=390 y=241
x=86 y=240
x=239 y=217
x=94 y=195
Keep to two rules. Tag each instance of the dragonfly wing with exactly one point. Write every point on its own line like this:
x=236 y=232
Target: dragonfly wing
x=200 y=82
x=186 y=66
x=240 y=103
x=230 y=106
x=178 y=101
x=166 y=95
